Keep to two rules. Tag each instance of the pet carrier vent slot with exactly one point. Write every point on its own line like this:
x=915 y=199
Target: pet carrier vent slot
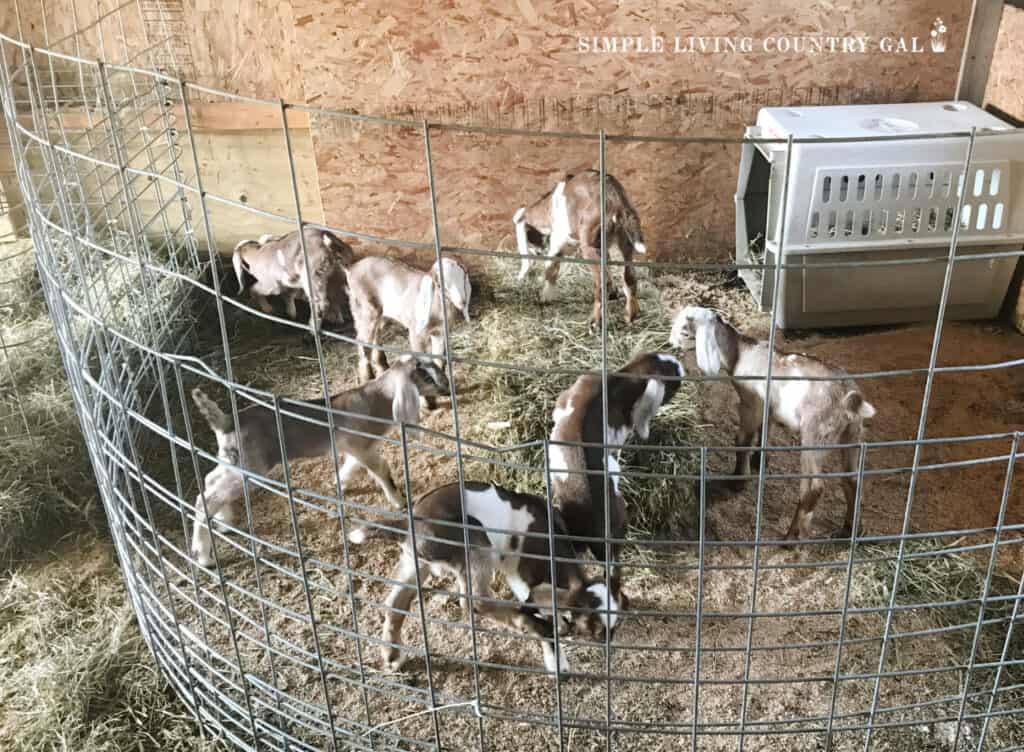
x=912 y=202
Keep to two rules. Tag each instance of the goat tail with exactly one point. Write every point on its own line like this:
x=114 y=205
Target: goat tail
x=390 y=530
x=856 y=405
x=219 y=421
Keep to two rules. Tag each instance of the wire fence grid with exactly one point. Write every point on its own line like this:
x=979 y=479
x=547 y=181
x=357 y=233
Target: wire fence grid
x=906 y=638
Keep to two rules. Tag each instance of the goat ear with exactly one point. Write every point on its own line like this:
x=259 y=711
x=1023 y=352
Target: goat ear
x=424 y=303
x=647 y=407
x=405 y=407
x=239 y=263
x=457 y=287
x=709 y=358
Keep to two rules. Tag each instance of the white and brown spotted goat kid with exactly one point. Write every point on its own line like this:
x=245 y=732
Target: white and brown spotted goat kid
x=508 y=532
x=635 y=394
x=370 y=412
x=570 y=215
x=275 y=266
x=383 y=288
x=822 y=412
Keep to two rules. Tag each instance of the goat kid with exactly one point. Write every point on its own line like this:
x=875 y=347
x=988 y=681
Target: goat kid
x=570 y=215
x=822 y=412
x=383 y=288
x=509 y=534
x=256 y=445
x=275 y=266
x=635 y=394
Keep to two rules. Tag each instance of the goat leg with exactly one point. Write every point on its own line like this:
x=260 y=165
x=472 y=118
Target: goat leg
x=398 y=602
x=549 y=293
x=748 y=436
x=378 y=468
x=629 y=283
x=849 y=484
x=262 y=303
x=811 y=489
x=595 y=271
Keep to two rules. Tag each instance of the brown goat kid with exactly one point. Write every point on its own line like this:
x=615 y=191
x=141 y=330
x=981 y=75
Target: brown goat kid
x=373 y=410
x=383 y=288
x=635 y=394
x=570 y=215
x=822 y=412
x=276 y=266
x=509 y=534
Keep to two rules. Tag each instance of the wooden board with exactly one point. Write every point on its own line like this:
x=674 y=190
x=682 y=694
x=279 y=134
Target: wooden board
x=211 y=116
x=519 y=66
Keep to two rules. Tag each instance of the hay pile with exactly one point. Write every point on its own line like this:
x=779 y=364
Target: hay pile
x=507 y=407
x=75 y=673
x=46 y=481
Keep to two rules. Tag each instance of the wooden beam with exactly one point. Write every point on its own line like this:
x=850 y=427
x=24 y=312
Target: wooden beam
x=978 y=50
x=214 y=116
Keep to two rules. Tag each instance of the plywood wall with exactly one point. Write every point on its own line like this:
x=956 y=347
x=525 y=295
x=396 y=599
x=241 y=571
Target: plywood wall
x=518 y=65
x=245 y=47
x=99 y=29
x=1005 y=88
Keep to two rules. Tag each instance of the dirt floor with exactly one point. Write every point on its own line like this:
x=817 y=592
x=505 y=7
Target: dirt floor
x=798 y=599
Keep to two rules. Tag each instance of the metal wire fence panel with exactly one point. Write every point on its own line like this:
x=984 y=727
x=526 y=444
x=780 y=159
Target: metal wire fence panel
x=902 y=635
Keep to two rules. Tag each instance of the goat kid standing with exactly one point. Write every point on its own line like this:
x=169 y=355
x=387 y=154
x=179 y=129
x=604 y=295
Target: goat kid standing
x=825 y=412
x=570 y=215
x=274 y=266
x=509 y=534
x=635 y=394
x=370 y=412
x=383 y=288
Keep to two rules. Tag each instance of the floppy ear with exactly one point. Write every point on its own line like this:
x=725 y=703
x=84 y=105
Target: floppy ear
x=456 y=286
x=405 y=407
x=238 y=263
x=424 y=303
x=647 y=406
x=709 y=358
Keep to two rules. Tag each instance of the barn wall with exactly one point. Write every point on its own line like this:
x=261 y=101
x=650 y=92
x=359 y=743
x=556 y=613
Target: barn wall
x=1005 y=88
x=519 y=67
x=245 y=47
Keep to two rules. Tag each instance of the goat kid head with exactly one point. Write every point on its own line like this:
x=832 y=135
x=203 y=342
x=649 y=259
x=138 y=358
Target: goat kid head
x=529 y=238
x=457 y=289
x=699 y=324
x=663 y=379
x=589 y=605
x=417 y=378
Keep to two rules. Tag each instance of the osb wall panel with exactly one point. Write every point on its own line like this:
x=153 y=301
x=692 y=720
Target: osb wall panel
x=517 y=65
x=94 y=29
x=1005 y=88
x=245 y=46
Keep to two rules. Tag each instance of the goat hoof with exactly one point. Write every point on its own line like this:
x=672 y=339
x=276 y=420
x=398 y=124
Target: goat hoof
x=394 y=660
x=203 y=560
x=842 y=533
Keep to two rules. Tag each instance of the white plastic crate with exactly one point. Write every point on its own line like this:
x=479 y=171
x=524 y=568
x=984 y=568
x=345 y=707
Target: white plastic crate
x=888 y=201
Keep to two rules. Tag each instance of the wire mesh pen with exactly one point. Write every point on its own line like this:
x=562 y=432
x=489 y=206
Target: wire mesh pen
x=731 y=642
